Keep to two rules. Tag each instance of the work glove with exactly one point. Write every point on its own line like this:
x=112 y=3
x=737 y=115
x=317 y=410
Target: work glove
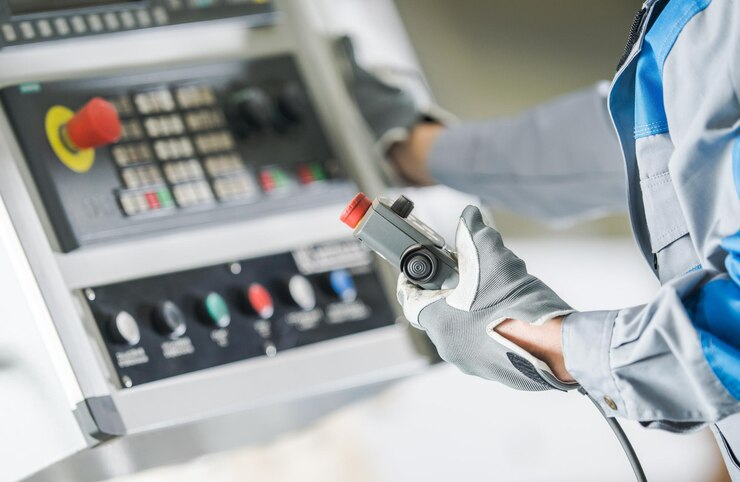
x=389 y=110
x=494 y=286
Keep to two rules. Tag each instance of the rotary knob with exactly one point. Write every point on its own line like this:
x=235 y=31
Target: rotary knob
x=169 y=319
x=95 y=124
x=402 y=206
x=252 y=110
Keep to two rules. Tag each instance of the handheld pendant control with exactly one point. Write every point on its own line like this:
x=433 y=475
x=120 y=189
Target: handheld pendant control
x=388 y=228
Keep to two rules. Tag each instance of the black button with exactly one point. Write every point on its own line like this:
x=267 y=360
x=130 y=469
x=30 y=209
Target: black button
x=169 y=319
x=402 y=206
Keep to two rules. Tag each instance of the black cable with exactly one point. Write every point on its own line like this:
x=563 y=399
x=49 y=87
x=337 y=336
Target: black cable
x=629 y=451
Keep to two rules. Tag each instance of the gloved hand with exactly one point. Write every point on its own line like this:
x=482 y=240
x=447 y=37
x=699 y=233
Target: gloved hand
x=390 y=111
x=494 y=286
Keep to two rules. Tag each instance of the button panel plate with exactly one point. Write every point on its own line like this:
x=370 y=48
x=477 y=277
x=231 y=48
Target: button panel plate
x=202 y=343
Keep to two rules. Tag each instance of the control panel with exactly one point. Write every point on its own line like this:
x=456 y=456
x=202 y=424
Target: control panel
x=141 y=153
x=30 y=21
x=176 y=323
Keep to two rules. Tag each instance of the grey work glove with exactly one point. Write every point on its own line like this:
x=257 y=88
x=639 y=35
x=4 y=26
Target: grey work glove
x=494 y=286
x=389 y=110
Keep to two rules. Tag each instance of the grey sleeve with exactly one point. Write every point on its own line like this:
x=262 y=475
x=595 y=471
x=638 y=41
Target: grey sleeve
x=646 y=363
x=557 y=161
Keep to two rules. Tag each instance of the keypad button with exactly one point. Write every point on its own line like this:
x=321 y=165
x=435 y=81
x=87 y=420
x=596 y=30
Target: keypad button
x=122 y=104
x=213 y=142
x=154 y=102
x=223 y=164
x=183 y=171
x=96 y=24
x=140 y=202
x=175 y=4
x=127 y=19
x=27 y=30
x=130 y=154
x=204 y=120
x=9 y=33
x=164 y=126
x=111 y=21
x=135 y=177
x=78 y=24
x=145 y=20
x=239 y=187
x=193 y=193
x=44 y=28
x=160 y=15
x=174 y=148
x=61 y=26
x=194 y=96
x=131 y=130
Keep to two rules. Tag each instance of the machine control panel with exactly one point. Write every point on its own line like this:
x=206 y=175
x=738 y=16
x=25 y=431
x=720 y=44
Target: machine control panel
x=175 y=148
x=176 y=323
x=31 y=21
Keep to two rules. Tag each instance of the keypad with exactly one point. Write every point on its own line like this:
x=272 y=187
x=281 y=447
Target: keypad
x=175 y=152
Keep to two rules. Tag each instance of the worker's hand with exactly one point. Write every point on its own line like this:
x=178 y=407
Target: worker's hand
x=494 y=287
x=390 y=111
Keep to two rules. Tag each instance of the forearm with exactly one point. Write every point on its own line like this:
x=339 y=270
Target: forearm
x=559 y=160
x=543 y=341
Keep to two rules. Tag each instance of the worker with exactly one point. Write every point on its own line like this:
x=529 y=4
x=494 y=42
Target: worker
x=673 y=363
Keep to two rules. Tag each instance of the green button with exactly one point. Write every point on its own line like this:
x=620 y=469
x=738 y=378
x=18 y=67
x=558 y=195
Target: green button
x=279 y=177
x=318 y=172
x=165 y=198
x=217 y=310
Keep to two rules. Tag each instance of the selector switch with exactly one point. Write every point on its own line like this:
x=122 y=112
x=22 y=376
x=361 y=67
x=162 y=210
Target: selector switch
x=215 y=311
x=252 y=109
x=169 y=319
x=260 y=300
x=343 y=285
x=124 y=329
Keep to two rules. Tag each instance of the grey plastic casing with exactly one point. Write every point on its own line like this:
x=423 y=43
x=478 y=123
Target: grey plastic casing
x=391 y=236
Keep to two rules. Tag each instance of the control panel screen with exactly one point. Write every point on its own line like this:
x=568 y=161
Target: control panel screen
x=22 y=7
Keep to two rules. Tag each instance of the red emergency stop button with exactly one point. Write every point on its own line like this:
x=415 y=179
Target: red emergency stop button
x=96 y=124
x=355 y=210
x=260 y=300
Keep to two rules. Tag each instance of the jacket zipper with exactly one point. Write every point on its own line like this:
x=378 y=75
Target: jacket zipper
x=633 y=36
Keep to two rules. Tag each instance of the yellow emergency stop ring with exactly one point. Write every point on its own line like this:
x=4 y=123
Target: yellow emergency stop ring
x=79 y=161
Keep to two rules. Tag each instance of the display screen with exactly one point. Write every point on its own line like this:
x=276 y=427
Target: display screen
x=21 y=7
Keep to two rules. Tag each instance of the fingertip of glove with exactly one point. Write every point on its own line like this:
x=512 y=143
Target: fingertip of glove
x=472 y=218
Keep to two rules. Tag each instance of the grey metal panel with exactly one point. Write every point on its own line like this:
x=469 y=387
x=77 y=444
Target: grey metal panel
x=351 y=361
